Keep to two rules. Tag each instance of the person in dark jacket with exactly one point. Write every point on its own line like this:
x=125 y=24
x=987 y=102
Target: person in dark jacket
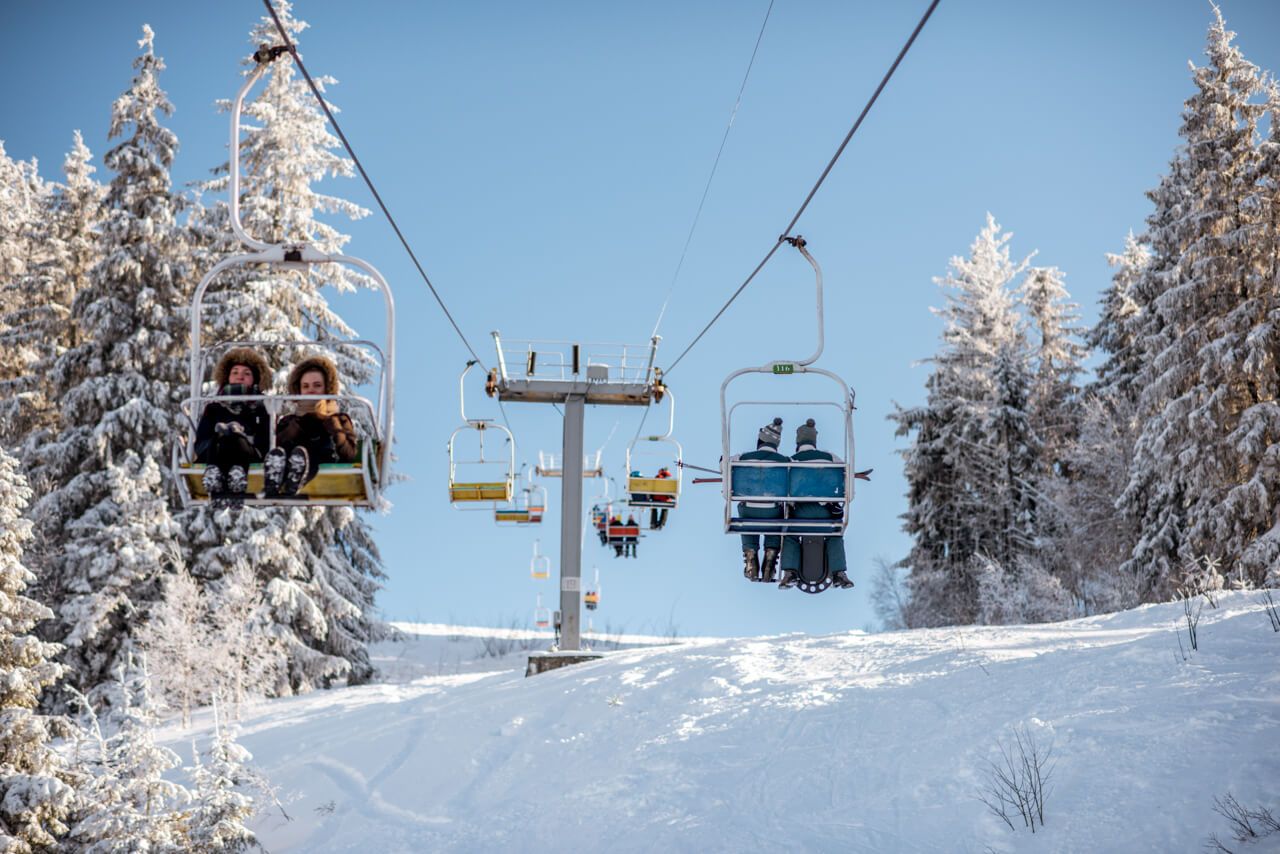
x=807 y=450
x=231 y=436
x=766 y=450
x=314 y=433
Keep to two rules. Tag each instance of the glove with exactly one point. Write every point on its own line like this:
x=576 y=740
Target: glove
x=224 y=428
x=326 y=408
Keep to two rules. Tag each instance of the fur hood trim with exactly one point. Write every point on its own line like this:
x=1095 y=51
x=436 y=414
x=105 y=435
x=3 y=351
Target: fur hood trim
x=243 y=356
x=314 y=363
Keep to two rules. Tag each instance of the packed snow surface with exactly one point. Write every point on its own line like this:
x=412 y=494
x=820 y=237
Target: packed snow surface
x=847 y=742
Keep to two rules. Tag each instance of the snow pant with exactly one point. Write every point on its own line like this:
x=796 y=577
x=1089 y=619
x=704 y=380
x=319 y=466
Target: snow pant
x=319 y=445
x=833 y=547
x=657 y=517
x=233 y=449
x=751 y=542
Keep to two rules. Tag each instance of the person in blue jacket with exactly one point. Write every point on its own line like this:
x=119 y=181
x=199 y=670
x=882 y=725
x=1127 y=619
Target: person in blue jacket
x=752 y=566
x=807 y=450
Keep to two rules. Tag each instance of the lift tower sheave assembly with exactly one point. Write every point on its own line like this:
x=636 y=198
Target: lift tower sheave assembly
x=571 y=376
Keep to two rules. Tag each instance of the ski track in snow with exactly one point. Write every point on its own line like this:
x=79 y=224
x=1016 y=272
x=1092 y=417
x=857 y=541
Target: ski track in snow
x=848 y=742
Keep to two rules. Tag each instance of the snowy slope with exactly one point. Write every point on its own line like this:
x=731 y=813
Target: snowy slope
x=848 y=742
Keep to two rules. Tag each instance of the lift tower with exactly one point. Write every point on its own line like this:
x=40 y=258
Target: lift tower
x=572 y=375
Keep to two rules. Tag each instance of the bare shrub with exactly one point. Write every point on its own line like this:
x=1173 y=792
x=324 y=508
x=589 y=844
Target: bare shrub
x=1247 y=825
x=1269 y=603
x=1192 y=607
x=1017 y=785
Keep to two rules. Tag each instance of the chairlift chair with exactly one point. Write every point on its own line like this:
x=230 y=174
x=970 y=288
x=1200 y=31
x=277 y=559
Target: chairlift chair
x=656 y=492
x=805 y=490
x=358 y=483
x=539 y=564
x=541 y=615
x=552 y=465
x=527 y=508
x=591 y=598
x=499 y=486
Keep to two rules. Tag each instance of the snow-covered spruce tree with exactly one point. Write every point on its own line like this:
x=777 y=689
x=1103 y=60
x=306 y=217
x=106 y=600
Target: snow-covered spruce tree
x=1246 y=521
x=971 y=470
x=130 y=805
x=1116 y=335
x=23 y=198
x=1196 y=320
x=216 y=824
x=1057 y=355
x=106 y=518
x=318 y=568
x=36 y=791
x=39 y=325
x=1093 y=539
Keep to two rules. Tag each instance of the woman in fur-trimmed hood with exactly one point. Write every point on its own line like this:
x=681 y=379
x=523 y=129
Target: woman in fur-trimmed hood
x=315 y=433
x=232 y=435
x=246 y=356
x=320 y=364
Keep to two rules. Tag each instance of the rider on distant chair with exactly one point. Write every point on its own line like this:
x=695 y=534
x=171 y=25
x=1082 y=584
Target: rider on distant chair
x=807 y=450
x=766 y=450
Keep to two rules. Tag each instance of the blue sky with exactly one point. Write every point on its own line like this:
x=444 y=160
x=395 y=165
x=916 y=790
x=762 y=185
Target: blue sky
x=546 y=160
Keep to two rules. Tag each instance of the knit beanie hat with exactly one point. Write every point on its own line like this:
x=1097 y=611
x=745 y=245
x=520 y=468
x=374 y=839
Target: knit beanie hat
x=807 y=433
x=771 y=434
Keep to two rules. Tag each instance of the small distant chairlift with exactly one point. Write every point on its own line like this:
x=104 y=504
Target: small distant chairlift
x=539 y=564
x=807 y=491
x=358 y=483
x=541 y=615
x=471 y=491
x=552 y=465
x=659 y=492
x=591 y=598
x=528 y=507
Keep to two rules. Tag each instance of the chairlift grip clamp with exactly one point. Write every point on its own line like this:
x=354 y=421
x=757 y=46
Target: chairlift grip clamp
x=798 y=241
x=270 y=53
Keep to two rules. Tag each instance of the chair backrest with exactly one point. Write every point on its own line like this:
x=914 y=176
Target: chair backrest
x=758 y=480
x=812 y=482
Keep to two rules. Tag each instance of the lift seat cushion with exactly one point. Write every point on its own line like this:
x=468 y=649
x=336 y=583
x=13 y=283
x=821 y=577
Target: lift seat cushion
x=497 y=491
x=337 y=481
x=653 y=485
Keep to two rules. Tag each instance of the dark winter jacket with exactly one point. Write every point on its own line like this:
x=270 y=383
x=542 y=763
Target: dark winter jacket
x=328 y=434
x=250 y=415
x=811 y=509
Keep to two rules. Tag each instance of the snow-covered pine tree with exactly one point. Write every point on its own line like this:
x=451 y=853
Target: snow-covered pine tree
x=1057 y=356
x=36 y=787
x=1116 y=335
x=1246 y=521
x=23 y=196
x=216 y=823
x=971 y=469
x=131 y=804
x=106 y=518
x=1194 y=324
x=1094 y=540
x=39 y=324
x=318 y=568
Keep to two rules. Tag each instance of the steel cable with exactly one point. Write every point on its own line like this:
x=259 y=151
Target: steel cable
x=821 y=178
x=315 y=90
